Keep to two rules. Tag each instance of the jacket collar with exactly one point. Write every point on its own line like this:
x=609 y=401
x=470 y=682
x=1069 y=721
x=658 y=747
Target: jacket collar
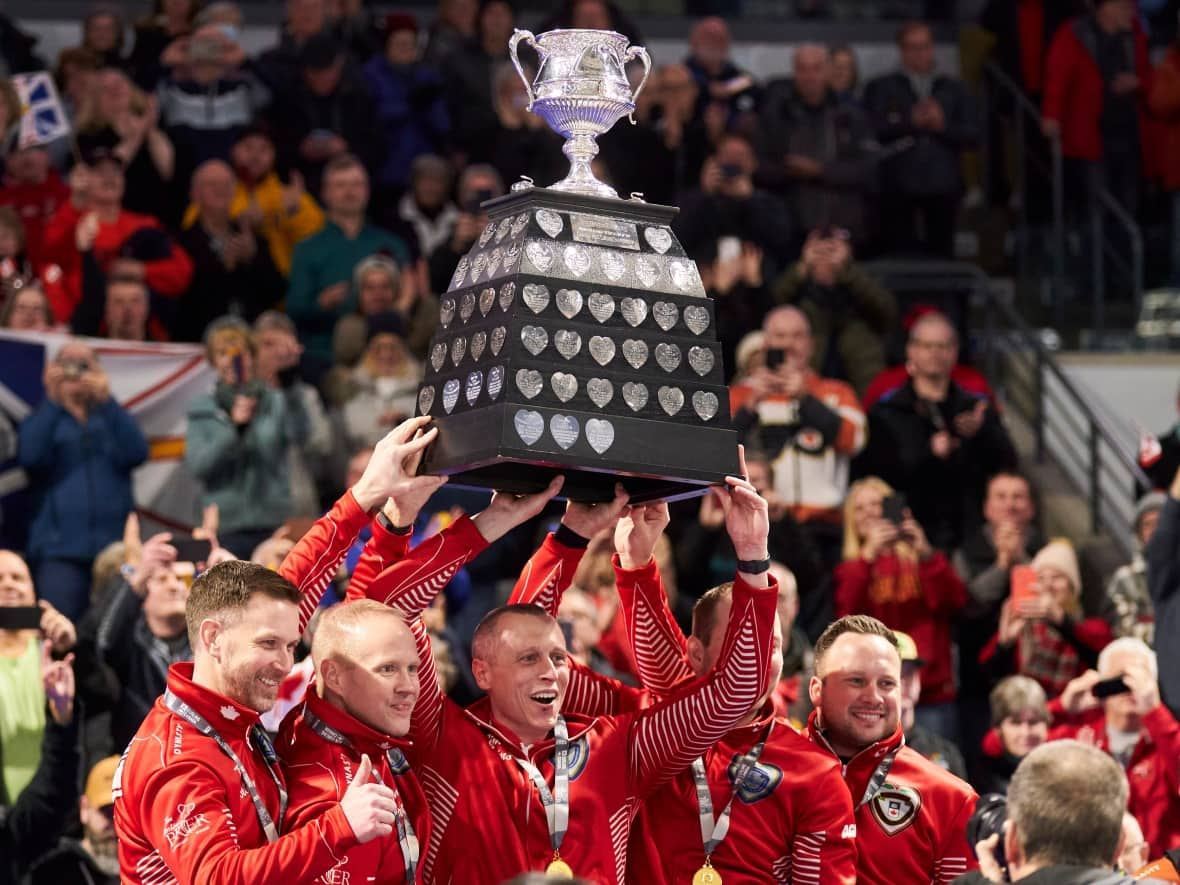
x=229 y=718
x=364 y=739
x=481 y=714
x=858 y=770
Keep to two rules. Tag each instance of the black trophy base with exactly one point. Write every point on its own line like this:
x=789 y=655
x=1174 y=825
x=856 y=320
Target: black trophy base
x=484 y=450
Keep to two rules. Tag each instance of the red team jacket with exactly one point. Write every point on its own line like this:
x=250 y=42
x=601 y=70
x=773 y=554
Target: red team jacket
x=319 y=773
x=181 y=812
x=488 y=821
x=914 y=830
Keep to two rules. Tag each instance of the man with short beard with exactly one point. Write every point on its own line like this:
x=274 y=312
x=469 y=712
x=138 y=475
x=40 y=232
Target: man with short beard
x=93 y=859
x=911 y=814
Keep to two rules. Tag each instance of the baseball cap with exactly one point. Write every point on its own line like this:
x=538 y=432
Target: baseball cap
x=98 y=782
x=908 y=649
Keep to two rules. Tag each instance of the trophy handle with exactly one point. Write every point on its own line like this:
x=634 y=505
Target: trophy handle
x=639 y=52
x=517 y=35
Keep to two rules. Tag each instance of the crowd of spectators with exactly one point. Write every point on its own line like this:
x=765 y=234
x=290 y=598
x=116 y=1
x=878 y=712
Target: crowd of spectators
x=298 y=213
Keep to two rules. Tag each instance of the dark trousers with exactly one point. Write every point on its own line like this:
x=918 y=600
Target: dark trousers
x=919 y=225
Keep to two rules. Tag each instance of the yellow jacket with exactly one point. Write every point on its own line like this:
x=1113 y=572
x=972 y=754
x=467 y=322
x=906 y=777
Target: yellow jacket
x=282 y=231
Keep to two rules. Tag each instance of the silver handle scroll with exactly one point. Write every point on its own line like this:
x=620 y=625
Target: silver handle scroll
x=640 y=53
x=521 y=34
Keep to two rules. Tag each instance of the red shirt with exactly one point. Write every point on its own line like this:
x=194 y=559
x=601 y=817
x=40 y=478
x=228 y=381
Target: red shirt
x=35 y=203
x=914 y=830
x=319 y=772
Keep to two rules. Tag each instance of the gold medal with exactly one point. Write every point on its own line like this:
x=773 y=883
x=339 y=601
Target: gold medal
x=706 y=875
x=558 y=867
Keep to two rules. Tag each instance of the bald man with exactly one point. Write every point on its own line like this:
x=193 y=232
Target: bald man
x=352 y=724
x=232 y=270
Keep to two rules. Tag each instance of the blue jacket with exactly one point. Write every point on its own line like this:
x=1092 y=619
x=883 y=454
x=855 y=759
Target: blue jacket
x=81 y=477
x=411 y=110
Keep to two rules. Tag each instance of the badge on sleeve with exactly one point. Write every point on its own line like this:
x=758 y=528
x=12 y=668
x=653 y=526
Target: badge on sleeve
x=895 y=807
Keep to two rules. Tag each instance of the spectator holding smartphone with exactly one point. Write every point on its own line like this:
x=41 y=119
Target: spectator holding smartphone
x=891 y=573
x=79 y=448
x=1042 y=633
x=477 y=184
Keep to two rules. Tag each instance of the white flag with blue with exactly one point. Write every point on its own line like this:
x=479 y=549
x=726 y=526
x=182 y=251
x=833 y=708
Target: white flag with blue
x=43 y=118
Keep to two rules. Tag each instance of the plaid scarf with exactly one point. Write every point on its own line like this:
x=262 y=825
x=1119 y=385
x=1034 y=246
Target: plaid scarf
x=1044 y=656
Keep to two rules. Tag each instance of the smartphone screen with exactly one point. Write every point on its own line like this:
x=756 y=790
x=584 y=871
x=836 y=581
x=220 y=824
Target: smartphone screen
x=1023 y=583
x=20 y=617
x=190 y=549
x=893 y=508
x=1110 y=687
x=775 y=357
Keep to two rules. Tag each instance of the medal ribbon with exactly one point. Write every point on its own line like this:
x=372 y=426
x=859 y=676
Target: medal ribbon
x=880 y=775
x=713 y=832
x=557 y=801
x=407 y=840
x=197 y=721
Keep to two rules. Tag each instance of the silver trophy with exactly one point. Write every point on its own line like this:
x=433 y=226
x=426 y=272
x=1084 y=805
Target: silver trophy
x=581 y=90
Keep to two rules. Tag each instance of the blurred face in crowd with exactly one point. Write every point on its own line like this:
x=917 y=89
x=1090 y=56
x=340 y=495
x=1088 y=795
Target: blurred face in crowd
x=253 y=649
x=253 y=157
x=709 y=42
x=459 y=14
x=524 y=667
x=375 y=674
x=592 y=14
x=77 y=81
x=933 y=348
x=1023 y=732
x=324 y=81
x=376 y=293
x=1122 y=711
x=1147 y=525
x=101 y=32
x=167 y=593
x=305 y=18
x=77 y=359
x=274 y=347
x=28 y=166
x=114 y=92
x=788 y=600
x=98 y=826
x=495 y=25
x=810 y=66
x=1117 y=15
x=917 y=50
x=866 y=508
x=213 y=188
x=106 y=185
x=10 y=240
x=346 y=191
x=737 y=152
x=401 y=49
x=1008 y=500
x=385 y=354
x=30 y=311
x=473 y=185
x=1057 y=584
x=788 y=330
x=16 y=584
x=842 y=73
x=857 y=691
x=126 y=310
x=431 y=190
x=578 y=610
x=177 y=10
x=230 y=357
x=911 y=691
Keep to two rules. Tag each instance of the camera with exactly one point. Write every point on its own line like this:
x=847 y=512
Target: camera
x=991 y=813
x=72 y=370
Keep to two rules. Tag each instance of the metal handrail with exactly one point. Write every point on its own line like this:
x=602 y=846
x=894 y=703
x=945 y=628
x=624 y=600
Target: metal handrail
x=1135 y=240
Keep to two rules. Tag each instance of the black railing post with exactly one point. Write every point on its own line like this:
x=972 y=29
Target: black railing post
x=1039 y=368
x=1095 y=480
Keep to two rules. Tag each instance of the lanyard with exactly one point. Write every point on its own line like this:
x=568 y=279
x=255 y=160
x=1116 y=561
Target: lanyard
x=877 y=781
x=197 y=721
x=557 y=801
x=713 y=832
x=406 y=839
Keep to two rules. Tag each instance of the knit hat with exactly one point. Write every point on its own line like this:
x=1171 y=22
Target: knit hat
x=1149 y=503
x=398 y=21
x=1060 y=555
x=387 y=323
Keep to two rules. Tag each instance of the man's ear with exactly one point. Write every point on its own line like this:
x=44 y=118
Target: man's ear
x=330 y=675
x=815 y=687
x=696 y=654
x=1013 y=850
x=211 y=634
x=482 y=672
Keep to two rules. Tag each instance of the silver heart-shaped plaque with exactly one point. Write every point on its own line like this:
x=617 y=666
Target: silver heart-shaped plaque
x=450 y=394
x=635 y=395
x=659 y=238
x=473 y=387
x=569 y=302
x=536 y=297
x=495 y=381
x=529 y=425
x=567 y=342
x=446 y=312
x=634 y=310
x=534 y=338
x=602 y=306
x=460 y=273
x=600 y=433
x=487 y=298
x=425 y=399
x=478 y=266
x=458 y=349
x=665 y=313
x=647 y=269
x=613 y=265
x=540 y=254
x=511 y=254
x=565 y=386
x=635 y=352
x=488 y=233
x=577 y=259
x=602 y=349
x=600 y=391
x=549 y=221
x=494 y=259
x=701 y=360
x=507 y=294
x=671 y=399
x=564 y=429
x=499 y=336
x=705 y=403
x=478 y=342
x=529 y=382
x=668 y=356
x=466 y=306
x=682 y=275
x=503 y=229
x=696 y=318
x=519 y=223
x=438 y=355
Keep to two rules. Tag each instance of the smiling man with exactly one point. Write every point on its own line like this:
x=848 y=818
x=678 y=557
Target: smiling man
x=911 y=814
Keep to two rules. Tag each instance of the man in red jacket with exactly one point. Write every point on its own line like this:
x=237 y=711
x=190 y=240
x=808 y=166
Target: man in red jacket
x=94 y=222
x=911 y=817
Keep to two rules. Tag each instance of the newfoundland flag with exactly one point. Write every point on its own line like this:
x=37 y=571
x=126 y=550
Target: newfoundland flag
x=43 y=119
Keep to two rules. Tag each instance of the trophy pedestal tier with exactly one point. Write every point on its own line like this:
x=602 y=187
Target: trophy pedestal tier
x=575 y=338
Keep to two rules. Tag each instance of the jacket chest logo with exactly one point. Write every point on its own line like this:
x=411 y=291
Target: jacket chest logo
x=579 y=755
x=895 y=807
x=761 y=781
